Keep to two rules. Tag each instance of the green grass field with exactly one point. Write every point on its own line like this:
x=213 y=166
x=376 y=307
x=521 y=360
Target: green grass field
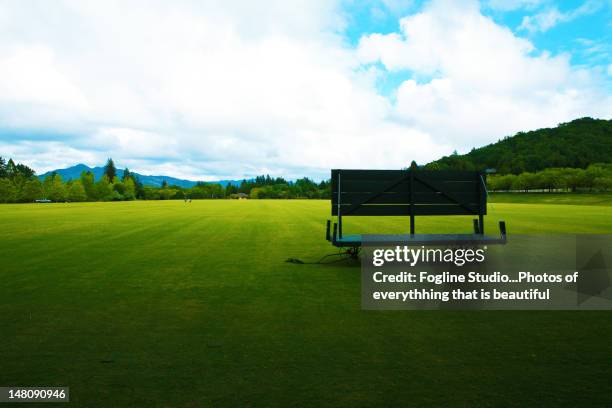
x=174 y=304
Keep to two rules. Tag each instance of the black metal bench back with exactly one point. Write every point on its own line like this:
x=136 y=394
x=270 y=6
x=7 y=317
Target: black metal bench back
x=408 y=192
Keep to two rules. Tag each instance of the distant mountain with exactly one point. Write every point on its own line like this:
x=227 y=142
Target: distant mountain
x=74 y=172
x=577 y=144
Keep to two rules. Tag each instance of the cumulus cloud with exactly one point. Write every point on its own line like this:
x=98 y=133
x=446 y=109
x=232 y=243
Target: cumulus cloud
x=226 y=90
x=484 y=79
x=209 y=90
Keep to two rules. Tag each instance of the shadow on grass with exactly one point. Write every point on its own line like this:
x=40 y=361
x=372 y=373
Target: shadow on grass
x=339 y=259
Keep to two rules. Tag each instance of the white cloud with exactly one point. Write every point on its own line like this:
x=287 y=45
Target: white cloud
x=550 y=17
x=542 y=21
x=486 y=81
x=49 y=155
x=209 y=89
x=232 y=90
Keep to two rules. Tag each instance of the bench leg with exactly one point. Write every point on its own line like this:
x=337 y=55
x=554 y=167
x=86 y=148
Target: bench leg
x=502 y=229
x=354 y=252
x=476 y=227
x=335 y=234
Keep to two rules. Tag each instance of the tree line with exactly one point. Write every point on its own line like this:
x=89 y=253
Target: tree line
x=596 y=177
x=19 y=184
x=258 y=188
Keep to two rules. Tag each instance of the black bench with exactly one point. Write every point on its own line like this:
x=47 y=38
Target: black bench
x=410 y=193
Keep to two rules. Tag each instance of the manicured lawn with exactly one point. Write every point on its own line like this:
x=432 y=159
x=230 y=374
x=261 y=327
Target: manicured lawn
x=175 y=304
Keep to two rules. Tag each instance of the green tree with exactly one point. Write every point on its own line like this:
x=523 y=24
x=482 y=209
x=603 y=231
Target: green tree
x=569 y=178
x=138 y=187
x=257 y=192
x=129 y=192
x=494 y=183
x=19 y=182
x=76 y=192
x=104 y=189
x=126 y=174
x=87 y=181
x=150 y=193
x=520 y=183
x=602 y=183
x=109 y=170
x=47 y=185
x=168 y=193
x=7 y=191
x=592 y=173
x=118 y=186
x=57 y=190
x=32 y=190
x=433 y=166
x=230 y=189
x=3 y=173
x=550 y=179
x=24 y=171
x=11 y=168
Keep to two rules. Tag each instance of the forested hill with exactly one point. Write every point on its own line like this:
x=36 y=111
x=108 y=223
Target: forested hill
x=577 y=144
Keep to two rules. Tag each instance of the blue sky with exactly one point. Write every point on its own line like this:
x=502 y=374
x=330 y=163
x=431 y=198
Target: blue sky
x=210 y=90
x=594 y=25
x=586 y=37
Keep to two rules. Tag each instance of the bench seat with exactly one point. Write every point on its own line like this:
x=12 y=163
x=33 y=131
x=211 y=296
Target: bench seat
x=356 y=240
